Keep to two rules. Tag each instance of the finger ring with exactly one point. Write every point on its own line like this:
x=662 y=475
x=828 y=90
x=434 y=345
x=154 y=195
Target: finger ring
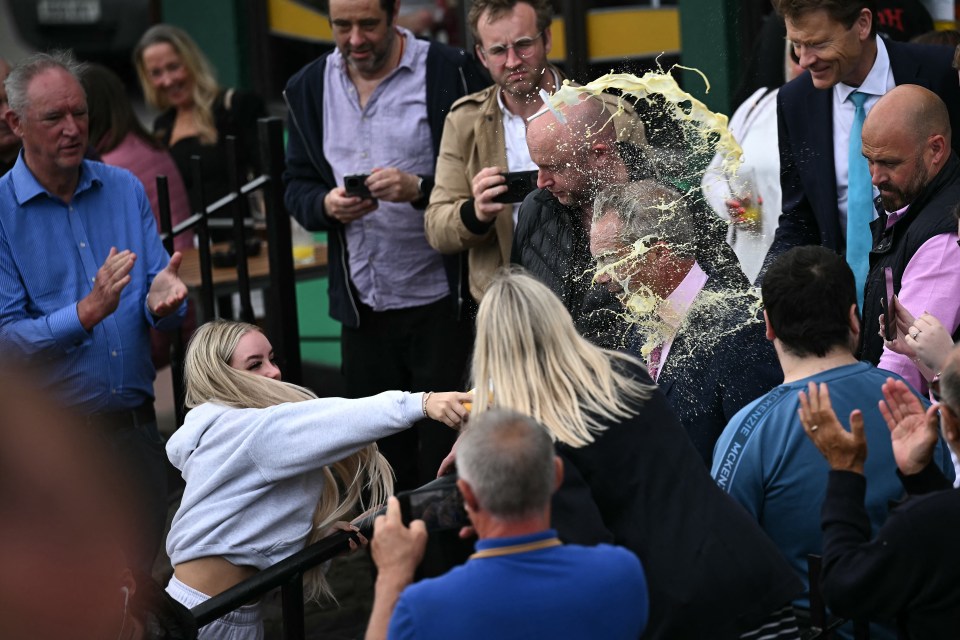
x=814 y=428
x=915 y=334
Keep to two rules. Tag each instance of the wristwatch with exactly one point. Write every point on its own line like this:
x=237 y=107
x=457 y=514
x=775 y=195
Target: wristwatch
x=420 y=185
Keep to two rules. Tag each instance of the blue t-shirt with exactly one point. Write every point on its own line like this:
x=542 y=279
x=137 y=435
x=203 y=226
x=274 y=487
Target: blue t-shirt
x=566 y=591
x=766 y=462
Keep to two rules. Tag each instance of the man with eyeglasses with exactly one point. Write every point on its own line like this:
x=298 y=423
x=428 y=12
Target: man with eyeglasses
x=904 y=572
x=906 y=141
x=485 y=136
x=373 y=108
x=827 y=196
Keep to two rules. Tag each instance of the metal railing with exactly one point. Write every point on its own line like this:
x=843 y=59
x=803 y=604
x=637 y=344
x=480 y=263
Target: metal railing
x=288 y=575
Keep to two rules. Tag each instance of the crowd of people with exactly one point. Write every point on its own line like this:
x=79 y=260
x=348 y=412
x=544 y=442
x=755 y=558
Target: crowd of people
x=653 y=445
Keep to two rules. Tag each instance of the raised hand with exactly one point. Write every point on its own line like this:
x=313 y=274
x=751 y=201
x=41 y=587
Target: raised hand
x=112 y=277
x=167 y=291
x=913 y=431
x=845 y=451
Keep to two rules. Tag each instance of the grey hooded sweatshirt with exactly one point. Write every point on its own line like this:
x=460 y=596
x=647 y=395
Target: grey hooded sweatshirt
x=254 y=476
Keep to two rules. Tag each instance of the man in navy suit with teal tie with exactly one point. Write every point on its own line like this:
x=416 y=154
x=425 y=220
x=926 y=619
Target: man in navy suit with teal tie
x=827 y=194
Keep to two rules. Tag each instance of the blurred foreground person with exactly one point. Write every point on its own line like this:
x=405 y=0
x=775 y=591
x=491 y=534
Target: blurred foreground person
x=522 y=582
x=631 y=474
x=66 y=529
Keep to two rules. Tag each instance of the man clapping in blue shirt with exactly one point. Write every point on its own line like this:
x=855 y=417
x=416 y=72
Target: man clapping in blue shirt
x=83 y=275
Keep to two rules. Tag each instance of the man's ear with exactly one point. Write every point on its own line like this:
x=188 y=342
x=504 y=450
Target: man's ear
x=854 y=321
x=469 y=499
x=771 y=336
x=547 y=42
x=950 y=425
x=13 y=121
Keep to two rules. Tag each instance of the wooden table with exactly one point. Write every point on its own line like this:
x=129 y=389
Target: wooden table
x=225 y=278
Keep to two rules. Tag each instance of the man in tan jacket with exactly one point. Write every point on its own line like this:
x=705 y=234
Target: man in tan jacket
x=485 y=136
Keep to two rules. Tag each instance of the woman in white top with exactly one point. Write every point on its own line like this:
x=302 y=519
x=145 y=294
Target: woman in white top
x=263 y=459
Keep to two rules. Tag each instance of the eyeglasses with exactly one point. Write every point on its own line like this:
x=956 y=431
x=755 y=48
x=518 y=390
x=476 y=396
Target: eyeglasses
x=523 y=48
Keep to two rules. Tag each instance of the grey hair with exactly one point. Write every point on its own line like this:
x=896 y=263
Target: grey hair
x=26 y=70
x=648 y=208
x=507 y=459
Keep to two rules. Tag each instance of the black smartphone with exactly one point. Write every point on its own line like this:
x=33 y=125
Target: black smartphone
x=440 y=507
x=519 y=184
x=356 y=185
x=889 y=318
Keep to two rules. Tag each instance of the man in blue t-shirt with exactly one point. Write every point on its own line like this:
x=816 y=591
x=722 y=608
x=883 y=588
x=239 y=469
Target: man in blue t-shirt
x=763 y=458
x=522 y=582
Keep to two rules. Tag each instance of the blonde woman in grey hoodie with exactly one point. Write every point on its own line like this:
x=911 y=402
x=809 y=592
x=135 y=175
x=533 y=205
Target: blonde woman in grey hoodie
x=262 y=460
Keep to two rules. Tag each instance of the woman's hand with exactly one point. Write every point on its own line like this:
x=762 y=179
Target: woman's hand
x=349 y=528
x=448 y=407
x=844 y=451
x=904 y=319
x=931 y=342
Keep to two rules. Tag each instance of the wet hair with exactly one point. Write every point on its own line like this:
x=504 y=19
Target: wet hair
x=807 y=293
x=497 y=8
x=845 y=12
x=205 y=85
x=507 y=459
x=20 y=76
x=208 y=377
x=638 y=207
x=111 y=115
x=529 y=354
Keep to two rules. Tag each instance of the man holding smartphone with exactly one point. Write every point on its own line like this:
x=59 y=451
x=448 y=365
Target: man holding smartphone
x=472 y=206
x=522 y=582
x=370 y=114
x=907 y=144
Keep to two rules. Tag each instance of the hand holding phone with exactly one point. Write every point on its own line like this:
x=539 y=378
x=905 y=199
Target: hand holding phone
x=519 y=184
x=356 y=185
x=439 y=505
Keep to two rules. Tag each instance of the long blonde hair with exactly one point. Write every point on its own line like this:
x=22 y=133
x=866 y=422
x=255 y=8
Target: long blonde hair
x=533 y=360
x=205 y=85
x=208 y=377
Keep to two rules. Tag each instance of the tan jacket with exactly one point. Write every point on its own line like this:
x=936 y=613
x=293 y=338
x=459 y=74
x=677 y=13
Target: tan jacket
x=472 y=139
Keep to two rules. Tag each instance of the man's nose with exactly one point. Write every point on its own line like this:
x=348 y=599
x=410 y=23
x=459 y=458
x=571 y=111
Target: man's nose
x=544 y=179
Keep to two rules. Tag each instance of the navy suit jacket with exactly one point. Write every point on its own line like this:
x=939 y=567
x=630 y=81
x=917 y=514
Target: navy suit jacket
x=718 y=363
x=805 y=121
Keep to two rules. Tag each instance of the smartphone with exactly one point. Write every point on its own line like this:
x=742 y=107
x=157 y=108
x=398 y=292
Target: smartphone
x=356 y=185
x=440 y=507
x=889 y=318
x=519 y=184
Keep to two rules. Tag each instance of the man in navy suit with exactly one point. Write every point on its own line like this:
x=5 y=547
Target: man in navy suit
x=693 y=309
x=837 y=44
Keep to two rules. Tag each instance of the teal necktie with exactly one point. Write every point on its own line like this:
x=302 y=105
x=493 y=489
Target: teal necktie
x=859 y=201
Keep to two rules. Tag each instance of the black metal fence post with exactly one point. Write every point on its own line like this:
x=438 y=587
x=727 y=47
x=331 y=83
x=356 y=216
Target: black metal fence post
x=285 y=331
x=241 y=210
x=203 y=242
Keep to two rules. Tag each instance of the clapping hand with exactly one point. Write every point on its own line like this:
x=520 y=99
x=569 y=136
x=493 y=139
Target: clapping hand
x=844 y=451
x=167 y=291
x=913 y=431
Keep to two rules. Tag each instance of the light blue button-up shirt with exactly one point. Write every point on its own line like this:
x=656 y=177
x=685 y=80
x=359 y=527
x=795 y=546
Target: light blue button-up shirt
x=391 y=264
x=50 y=252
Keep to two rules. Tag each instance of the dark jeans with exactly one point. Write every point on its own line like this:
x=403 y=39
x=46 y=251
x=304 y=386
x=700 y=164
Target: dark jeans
x=140 y=454
x=416 y=349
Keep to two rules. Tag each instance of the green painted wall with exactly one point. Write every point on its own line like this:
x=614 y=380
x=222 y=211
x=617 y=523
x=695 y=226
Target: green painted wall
x=219 y=28
x=708 y=37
